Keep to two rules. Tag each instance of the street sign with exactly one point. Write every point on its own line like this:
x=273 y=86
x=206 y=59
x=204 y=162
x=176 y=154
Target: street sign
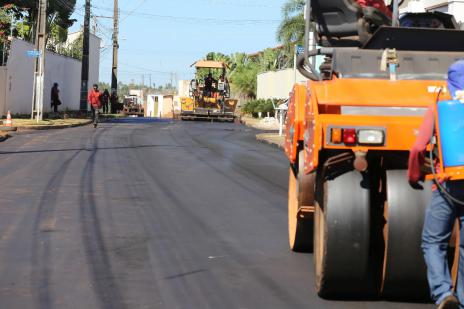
x=33 y=53
x=300 y=50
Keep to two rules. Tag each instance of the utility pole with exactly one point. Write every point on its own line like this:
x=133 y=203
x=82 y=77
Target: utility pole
x=40 y=44
x=85 y=58
x=114 y=74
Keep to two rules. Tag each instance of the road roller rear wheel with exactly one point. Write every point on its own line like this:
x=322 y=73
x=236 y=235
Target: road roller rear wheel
x=404 y=270
x=341 y=237
x=300 y=194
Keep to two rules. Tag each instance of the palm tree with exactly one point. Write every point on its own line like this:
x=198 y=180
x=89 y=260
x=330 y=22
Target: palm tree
x=291 y=29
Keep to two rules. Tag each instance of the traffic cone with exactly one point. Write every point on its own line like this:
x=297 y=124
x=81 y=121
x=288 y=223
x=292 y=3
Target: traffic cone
x=9 y=121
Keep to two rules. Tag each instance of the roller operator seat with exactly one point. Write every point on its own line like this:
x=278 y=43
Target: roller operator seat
x=345 y=22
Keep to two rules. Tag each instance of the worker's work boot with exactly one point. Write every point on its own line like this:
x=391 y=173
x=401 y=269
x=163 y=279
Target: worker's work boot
x=450 y=302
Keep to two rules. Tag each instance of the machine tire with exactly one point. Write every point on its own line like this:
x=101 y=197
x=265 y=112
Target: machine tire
x=300 y=193
x=404 y=270
x=342 y=236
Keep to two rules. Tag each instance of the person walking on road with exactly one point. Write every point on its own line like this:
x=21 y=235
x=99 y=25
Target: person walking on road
x=105 y=99
x=94 y=100
x=442 y=212
x=55 y=97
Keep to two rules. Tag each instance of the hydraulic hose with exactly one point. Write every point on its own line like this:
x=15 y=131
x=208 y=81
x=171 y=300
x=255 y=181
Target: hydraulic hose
x=432 y=167
x=302 y=65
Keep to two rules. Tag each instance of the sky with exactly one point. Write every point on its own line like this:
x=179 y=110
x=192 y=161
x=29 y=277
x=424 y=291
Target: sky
x=160 y=39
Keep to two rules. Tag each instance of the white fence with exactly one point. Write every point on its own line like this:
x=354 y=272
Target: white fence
x=17 y=81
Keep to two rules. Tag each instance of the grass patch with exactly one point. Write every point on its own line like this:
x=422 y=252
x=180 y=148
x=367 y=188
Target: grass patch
x=48 y=122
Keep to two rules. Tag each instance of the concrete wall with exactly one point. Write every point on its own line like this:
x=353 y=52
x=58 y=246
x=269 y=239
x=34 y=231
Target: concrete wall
x=277 y=85
x=167 y=109
x=3 y=79
x=453 y=7
x=154 y=106
x=63 y=70
x=94 y=60
x=161 y=106
x=183 y=88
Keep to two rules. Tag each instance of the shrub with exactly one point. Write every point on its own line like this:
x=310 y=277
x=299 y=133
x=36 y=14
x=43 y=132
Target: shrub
x=253 y=107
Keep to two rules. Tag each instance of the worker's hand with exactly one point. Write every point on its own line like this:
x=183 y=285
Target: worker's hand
x=416 y=185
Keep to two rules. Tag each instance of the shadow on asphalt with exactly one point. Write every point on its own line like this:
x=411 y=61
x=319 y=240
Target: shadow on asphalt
x=99 y=148
x=137 y=120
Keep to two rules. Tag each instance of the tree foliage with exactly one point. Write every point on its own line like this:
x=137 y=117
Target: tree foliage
x=244 y=69
x=253 y=107
x=26 y=12
x=291 y=29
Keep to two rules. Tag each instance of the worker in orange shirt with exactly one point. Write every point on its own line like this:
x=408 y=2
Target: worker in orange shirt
x=94 y=100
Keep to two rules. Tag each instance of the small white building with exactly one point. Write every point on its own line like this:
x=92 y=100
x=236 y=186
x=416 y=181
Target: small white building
x=161 y=106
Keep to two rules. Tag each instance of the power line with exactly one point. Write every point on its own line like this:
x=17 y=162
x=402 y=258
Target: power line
x=217 y=21
x=133 y=11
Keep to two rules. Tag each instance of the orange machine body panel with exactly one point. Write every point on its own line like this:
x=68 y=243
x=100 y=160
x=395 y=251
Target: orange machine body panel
x=295 y=121
x=317 y=107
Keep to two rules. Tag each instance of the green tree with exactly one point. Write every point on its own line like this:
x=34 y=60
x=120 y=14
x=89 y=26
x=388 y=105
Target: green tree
x=58 y=16
x=291 y=29
x=244 y=75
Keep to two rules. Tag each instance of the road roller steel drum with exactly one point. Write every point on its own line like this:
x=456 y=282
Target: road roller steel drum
x=450 y=116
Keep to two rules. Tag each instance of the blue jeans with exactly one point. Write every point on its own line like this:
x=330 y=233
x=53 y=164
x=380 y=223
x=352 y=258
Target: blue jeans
x=95 y=114
x=440 y=217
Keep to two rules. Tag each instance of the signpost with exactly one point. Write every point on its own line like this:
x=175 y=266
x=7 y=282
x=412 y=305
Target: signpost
x=33 y=53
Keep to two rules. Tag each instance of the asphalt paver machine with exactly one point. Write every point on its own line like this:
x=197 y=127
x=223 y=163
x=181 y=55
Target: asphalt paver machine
x=348 y=134
x=209 y=93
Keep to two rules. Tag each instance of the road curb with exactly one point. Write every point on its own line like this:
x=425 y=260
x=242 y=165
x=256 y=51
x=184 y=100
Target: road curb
x=254 y=123
x=8 y=129
x=263 y=138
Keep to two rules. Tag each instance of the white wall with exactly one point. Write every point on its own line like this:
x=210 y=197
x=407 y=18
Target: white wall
x=63 y=70
x=277 y=85
x=453 y=7
x=183 y=87
x=3 y=77
x=155 y=104
x=94 y=60
x=456 y=8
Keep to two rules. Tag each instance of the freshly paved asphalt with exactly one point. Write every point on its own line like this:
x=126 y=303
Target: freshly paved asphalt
x=149 y=214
